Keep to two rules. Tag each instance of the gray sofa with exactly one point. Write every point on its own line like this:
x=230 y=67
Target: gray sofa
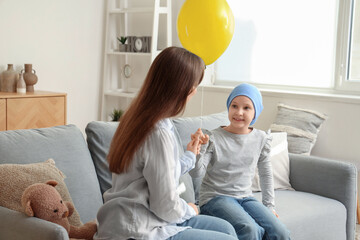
x=322 y=207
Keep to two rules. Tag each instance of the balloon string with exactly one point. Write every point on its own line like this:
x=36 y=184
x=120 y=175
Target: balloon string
x=201 y=106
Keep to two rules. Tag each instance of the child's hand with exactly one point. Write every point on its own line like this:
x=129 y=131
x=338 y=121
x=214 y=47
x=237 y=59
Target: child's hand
x=274 y=212
x=194 y=207
x=200 y=135
x=194 y=146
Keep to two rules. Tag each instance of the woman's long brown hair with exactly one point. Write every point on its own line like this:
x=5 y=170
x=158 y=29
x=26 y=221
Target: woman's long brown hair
x=174 y=73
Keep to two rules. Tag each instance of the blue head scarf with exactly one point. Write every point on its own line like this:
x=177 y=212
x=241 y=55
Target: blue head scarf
x=252 y=93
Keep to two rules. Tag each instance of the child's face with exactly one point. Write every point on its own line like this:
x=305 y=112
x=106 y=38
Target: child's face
x=241 y=113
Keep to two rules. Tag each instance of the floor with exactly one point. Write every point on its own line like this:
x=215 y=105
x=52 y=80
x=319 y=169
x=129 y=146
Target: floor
x=357 y=232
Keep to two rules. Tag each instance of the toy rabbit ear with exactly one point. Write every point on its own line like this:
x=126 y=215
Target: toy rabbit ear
x=52 y=183
x=28 y=209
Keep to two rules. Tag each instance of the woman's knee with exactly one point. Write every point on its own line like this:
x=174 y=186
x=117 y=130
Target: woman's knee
x=226 y=227
x=215 y=224
x=200 y=234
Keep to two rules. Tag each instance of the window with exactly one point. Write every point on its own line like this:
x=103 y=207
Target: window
x=291 y=43
x=354 y=61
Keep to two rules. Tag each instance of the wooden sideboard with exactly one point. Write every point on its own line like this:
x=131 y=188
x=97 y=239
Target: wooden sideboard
x=38 y=109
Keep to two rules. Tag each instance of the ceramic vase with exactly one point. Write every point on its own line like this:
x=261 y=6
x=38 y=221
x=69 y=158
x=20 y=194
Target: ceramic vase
x=9 y=79
x=21 y=85
x=30 y=78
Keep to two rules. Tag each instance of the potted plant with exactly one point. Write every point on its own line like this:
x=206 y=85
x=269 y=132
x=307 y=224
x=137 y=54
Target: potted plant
x=122 y=45
x=116 y=115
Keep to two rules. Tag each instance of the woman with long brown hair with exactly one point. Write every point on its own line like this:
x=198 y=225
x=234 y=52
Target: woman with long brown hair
x=146 y=162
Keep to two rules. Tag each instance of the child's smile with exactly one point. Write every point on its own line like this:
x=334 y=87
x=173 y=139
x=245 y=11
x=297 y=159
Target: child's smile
x=239 y=119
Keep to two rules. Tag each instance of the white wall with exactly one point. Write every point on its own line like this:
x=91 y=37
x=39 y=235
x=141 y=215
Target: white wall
x=64 y=42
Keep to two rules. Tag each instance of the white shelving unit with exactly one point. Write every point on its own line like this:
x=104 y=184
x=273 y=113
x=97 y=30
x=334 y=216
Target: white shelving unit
x=131 y=18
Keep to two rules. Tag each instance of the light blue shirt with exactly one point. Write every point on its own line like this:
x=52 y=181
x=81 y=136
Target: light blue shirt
x=143 y=202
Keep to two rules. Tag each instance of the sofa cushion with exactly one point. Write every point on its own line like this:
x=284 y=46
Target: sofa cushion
x=15 y=178
x=310 y=216
x=302 y=126
x=99 y=136
x=279 y=157
x=67 y=146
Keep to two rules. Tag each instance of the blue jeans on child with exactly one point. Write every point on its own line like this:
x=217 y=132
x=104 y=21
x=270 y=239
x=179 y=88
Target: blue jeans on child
x=206 y=228
x=250 y=218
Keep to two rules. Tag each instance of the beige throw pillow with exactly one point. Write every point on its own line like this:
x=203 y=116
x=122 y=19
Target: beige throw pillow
x=279 y=158
x=302 y=126
x=15 y=178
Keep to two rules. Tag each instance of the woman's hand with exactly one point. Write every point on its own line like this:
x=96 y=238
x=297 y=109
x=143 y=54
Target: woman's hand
x=204 y=138
x=194 y=146
x=194 y=207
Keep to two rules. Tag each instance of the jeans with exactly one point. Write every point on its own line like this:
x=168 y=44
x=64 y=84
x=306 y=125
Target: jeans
x=206 y=228
x=250 y=218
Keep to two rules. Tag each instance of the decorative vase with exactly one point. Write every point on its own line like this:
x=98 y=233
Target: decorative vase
x=21 y=85
x=30 y=78
x=9 y=79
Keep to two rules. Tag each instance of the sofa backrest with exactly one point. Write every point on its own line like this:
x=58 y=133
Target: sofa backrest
x=186 y=126
x=67 y=146
x=99 y=136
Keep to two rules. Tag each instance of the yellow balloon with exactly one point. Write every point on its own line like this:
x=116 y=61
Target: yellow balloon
x=205 y=28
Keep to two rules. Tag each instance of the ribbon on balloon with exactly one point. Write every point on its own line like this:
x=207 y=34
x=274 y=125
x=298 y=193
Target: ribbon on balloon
x=205 y=28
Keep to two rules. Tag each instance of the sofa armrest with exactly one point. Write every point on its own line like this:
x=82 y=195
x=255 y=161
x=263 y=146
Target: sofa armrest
x=328 y=178
x=16 y=225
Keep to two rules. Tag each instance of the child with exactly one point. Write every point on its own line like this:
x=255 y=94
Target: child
x=144 y=158
x=228 y=160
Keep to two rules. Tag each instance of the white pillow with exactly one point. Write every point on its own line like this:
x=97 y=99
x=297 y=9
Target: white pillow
x=279 y=158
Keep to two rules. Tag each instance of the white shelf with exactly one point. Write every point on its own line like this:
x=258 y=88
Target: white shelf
x=118 y=16
x=137 y=10
x=120 y=93
x=131 y=10
x=113 y=52
x=129 y=53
